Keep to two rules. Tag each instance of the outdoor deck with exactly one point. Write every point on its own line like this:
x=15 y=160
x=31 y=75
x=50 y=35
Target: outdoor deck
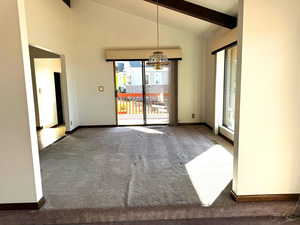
x=132 y=111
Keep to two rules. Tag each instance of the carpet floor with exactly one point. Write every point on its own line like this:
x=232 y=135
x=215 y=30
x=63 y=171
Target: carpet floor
x=141 y=175
x=123 y=167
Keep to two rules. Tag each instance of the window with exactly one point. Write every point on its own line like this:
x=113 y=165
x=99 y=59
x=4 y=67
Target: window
x=229 y=87
x=225 y=90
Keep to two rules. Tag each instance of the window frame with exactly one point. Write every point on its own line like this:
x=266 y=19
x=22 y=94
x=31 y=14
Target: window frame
x=224 y=125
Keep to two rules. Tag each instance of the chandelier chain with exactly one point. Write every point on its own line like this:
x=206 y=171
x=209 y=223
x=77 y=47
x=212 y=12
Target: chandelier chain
x=157 y=20
x=158 y=59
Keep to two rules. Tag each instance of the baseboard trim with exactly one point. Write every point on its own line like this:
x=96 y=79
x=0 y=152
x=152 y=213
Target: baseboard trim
x=110 y=126
x=226 y=138
x=23 y=206
x=97 y=126
x=89 y=126
x=264 y=198
x=190 y=124
x=72 y=131
x=208 y=126
x=59 y=139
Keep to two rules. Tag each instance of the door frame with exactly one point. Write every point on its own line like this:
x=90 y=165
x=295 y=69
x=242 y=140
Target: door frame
x=64 y=83
x=219 y=127
x=144 y=95
x=115 y=94
x=144 y=92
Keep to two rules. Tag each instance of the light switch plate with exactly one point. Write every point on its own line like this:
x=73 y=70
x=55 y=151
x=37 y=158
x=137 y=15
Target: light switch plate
x=100 y=89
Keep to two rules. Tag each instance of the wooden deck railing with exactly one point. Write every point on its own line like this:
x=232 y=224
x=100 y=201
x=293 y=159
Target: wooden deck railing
x=132 y=103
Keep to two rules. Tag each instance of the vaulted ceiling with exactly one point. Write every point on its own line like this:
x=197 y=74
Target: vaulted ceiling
x=169 y=17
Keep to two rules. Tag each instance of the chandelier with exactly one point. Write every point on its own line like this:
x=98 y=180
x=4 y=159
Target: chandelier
x=158 y=59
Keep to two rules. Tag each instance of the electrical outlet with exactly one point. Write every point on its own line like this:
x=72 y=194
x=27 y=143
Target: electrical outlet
x=71 y=122
x=193 y=115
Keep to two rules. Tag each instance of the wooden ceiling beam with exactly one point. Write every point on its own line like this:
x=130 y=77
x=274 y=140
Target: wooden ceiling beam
x=67 y=2
x=198 y=12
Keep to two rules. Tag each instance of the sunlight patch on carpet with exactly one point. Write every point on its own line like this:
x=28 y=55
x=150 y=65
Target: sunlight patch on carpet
x=146 y=130
x=210 y=173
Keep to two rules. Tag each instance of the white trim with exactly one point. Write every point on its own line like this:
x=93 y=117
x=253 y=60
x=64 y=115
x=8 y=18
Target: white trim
x=219 y=90
x=226 y=132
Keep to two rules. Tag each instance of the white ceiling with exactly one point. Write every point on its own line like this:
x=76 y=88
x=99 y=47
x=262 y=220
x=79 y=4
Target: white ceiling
x=171 y=18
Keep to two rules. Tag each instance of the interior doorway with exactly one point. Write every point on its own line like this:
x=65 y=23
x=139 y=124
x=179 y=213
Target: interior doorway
x=47 y=85
x=58 y=95
x=142 y=94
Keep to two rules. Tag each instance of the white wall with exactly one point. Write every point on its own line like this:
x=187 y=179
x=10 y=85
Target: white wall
x=99 y=28
x=267 y=145
x=45 y=84
x=50 y=27
x=20 y=178
x=83 y=32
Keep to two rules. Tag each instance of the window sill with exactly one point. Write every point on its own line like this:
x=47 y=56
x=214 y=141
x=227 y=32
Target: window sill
x=227 y=133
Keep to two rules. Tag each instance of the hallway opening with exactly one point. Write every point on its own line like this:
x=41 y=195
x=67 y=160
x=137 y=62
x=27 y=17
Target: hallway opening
x=46 y=68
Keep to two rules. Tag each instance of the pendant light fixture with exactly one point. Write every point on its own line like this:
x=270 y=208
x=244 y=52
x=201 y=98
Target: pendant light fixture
x=158 y=59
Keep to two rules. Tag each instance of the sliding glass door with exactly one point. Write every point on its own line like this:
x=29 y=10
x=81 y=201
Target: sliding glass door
x=129 y=92
x=142 y=93
x=157 y=95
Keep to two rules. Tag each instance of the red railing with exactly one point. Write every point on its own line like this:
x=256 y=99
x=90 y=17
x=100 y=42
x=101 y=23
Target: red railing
x=126 y=95
x=132 y=103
